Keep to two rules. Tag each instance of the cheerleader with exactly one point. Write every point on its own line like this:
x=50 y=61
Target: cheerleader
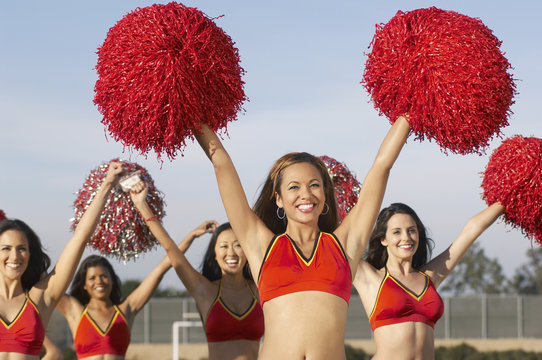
x=305 y=263
x=225 y=293
x=98 y=319
x=397 y=284
x=28 y=299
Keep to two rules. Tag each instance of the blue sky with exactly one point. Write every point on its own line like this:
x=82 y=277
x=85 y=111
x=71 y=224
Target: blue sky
x=304 y=62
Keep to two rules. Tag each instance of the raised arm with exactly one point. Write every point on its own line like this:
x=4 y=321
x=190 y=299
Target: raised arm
x=139 y=297
x=356 y=227
x=441 y=266
x=245 y=223
x=196 y=284
x=56 y=283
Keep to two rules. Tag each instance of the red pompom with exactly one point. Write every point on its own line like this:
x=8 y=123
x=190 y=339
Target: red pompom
x=163 y=70
x=2 y=215
x=447 y=72
x=121 y=231
x=513 y=176
x=346 y=186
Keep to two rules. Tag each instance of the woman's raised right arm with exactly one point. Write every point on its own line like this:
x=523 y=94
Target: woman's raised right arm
x=245 y=223
x=196 y=284
x=56 y=283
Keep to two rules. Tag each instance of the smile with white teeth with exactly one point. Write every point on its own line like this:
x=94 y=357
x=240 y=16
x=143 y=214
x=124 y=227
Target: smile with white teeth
x=231 y=261
x=13 y=266
x=305 y=207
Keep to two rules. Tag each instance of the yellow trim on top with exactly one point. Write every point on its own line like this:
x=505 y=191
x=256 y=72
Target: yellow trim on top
x=238 y=317
x=19 y=314
x=218 y=299
x=378 y=294
x=111 y=322
x=271 y=248
x=410 y=292
x=313 y=253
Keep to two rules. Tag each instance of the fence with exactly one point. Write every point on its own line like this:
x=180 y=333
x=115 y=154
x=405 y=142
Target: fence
x=464 y=317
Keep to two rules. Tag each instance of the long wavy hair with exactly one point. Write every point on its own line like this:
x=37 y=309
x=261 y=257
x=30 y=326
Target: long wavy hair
x=38 y=262
x=377 y=255
x=77 y=288
x=266 y=206
x=209 y=267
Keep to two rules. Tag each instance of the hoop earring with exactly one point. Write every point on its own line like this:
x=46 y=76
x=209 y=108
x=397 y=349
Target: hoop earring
x=283 y=213
x=326 y=209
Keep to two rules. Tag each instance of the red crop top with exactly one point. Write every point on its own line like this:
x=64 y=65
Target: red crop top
x=285 y=270
x=90 y=340
x=396 y=304
x=222 y=324
x=25 y=333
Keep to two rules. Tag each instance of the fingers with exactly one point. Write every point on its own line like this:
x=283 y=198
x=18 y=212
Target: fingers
x=210 y=226
x=139 y=187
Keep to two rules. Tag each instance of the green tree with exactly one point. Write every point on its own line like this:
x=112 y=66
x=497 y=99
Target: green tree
x=528 y=277
x=475 y=274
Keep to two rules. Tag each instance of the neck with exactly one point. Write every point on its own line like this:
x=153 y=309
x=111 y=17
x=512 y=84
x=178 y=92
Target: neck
x=10 y=289
x=302 y=233
x=236 y=281
x=99 y=303
x=399 y=266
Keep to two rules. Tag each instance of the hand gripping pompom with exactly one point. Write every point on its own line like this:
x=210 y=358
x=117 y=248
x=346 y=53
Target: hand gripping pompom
x=163 y=70
x=121 y=231
x=513 y=176
x=345 y=184
x=447 y=72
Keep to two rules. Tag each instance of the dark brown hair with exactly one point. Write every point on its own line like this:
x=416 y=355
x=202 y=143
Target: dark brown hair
x=266 y=207
x=377 y=255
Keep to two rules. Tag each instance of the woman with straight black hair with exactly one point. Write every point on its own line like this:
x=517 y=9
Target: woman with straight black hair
x=224 y=292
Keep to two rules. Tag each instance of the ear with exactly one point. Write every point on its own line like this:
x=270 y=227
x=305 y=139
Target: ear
x=278 y=200
x=384 y=242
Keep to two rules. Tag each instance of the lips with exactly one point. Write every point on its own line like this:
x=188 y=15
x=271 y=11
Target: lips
x=305 y=207
x=13 y=266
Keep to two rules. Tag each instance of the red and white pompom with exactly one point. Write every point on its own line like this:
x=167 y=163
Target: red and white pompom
x=346 y=186
x=163 y=70
x=513 y=176
x=447 y=72
x=2 y=215
x=121 y=232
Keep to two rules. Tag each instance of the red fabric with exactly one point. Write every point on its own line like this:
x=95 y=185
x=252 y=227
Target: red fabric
x=222 y=324
x=396 y=304
x=345 y=185
x=90 y=340
x=162 y=70
x=513 y=177
x=25 y=333
x=445 y=70
x=285 y=271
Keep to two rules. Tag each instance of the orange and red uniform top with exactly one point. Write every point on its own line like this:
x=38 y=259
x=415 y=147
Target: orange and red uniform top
x=285 y=270
x=395 y=303
x=90 y=340
x=222 y=324
x=25 y=333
